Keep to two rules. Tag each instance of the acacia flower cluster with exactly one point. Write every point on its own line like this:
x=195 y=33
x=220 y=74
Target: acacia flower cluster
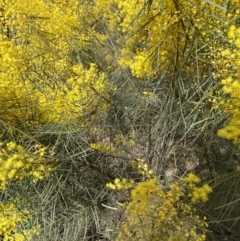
x=160 y=37
x=16 y=164
x=121 y=184
x=228 y=63
x=197 y=194
x=155 y=212
x=142 y=167
x=104 y=148
x=10 y=220
x=119 y=146
x=40 y=52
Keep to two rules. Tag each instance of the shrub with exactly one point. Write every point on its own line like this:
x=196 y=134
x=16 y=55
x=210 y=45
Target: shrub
x=155 y=212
